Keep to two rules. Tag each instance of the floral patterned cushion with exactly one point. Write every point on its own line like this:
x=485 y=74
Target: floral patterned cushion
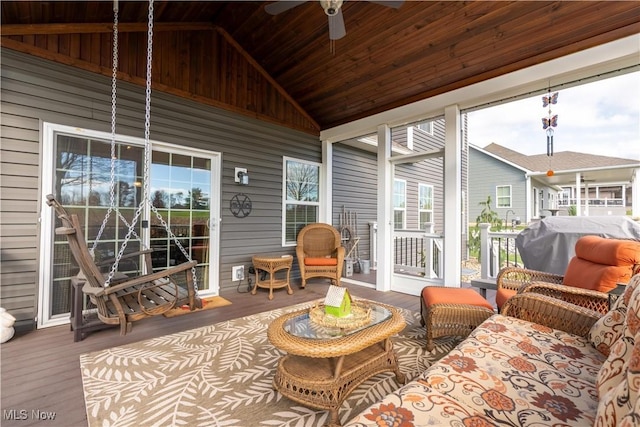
x=508 y=372
x=513 y=372
x=620 y=406
x=633 y=305
x=614 y=368
x=609 y=328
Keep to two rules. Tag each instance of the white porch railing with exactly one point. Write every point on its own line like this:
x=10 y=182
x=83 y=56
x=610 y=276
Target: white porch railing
x=606 y=202
x=497 y=250
x=418 y=252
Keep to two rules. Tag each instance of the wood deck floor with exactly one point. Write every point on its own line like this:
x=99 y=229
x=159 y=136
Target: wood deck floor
x=40 y=370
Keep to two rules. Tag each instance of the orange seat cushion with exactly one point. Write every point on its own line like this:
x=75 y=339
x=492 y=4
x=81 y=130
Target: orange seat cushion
x=598 y=277
x=608 y=251
x=318 y=262
x=502 y=295
x=439 y=295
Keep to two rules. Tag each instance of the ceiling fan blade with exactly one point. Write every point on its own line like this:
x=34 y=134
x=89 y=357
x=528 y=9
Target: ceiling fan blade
x=391 y=3
x=281 y=6
x=336 y=26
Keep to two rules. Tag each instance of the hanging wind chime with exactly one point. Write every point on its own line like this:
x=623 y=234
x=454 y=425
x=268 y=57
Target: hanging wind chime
x=548 y=123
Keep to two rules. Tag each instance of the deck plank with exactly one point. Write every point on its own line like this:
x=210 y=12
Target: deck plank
x=41 y=369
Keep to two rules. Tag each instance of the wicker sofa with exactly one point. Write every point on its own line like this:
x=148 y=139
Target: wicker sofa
x=542 y=361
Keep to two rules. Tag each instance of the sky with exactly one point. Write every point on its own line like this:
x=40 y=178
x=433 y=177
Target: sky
x=600 y=118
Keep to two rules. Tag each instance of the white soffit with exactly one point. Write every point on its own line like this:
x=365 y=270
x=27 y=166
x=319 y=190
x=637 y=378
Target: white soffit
x=601 y=59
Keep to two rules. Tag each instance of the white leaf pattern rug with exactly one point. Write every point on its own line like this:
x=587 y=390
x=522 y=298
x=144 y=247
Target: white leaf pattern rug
x=221 y=375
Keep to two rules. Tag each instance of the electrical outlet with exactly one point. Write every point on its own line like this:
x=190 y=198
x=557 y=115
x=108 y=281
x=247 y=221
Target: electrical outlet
x=237 y=273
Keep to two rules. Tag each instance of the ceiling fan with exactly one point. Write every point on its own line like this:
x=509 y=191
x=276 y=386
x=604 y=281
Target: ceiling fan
x=333 y=9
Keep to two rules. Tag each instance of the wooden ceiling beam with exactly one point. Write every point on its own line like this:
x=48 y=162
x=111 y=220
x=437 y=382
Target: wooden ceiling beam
x=105 y=27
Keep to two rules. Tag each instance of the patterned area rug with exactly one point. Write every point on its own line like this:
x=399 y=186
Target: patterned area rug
x=221 y=375
x=207 y=304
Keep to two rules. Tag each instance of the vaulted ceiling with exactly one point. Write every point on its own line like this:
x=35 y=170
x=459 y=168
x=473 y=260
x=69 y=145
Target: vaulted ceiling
x=388 y=58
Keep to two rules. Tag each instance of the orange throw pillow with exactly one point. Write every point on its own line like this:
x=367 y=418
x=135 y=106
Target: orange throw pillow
x=587 y=275
x=608 y=251
x=317 y=262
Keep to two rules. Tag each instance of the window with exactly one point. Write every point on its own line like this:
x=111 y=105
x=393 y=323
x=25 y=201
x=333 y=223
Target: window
x=425 y=204
x=426 y=127
x=399 y=203
x=301 y=197
x=503 y=196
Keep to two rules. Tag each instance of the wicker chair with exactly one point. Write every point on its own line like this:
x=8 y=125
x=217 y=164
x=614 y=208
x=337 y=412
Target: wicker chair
x=600 y=263
x=320 y=253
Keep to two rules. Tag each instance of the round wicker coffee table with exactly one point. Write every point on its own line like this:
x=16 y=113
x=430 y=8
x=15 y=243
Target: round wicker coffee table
x=324 y=365
x=272 y=264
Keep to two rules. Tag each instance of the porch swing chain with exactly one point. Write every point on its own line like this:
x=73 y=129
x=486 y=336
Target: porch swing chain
x=147 y=162
x=114 y=75
x=114 y=71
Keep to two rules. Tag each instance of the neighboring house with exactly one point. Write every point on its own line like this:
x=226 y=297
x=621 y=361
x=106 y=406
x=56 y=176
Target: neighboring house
x=521 y=187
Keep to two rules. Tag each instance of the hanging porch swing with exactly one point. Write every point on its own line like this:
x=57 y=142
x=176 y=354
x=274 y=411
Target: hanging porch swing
x=120 y=299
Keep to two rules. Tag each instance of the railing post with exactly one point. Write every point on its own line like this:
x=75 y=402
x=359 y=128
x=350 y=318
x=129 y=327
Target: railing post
x=485 y=251
x=373 y=244
x=428 y=251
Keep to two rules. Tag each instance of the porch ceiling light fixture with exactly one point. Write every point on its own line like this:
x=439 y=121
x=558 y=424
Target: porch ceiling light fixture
x=331 y=7
x=241 y=176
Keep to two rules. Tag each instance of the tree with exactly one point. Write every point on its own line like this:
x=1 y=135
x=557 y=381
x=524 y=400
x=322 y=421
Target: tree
x=488 y=216
x=197 y=199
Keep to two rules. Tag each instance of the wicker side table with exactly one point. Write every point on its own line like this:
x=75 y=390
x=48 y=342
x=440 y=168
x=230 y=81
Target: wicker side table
x=272 y=264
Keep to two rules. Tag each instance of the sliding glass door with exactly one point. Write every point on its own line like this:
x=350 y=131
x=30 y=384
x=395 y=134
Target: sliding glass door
x=181 y=193
x=183 y=183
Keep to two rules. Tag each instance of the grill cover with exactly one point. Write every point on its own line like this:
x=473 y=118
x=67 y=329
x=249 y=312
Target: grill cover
x=548 y=245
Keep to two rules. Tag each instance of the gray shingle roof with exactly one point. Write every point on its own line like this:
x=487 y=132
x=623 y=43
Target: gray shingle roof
x=563 y=160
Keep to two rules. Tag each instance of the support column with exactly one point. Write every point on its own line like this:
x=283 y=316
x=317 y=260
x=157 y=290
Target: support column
x=385 y=210
x=326 y=187
x=452 y=197
x=578 y=196
x=635 y=194
x=528 y=214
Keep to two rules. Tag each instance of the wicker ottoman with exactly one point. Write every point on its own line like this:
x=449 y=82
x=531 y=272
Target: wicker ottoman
x=451 y=311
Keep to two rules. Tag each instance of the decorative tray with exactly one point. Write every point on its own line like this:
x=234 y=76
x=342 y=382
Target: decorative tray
x=360 y=315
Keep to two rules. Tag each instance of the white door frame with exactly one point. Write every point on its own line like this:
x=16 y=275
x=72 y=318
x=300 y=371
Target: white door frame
x=48 y=134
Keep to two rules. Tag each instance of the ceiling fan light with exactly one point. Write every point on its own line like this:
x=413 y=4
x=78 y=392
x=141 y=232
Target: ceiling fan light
x=331 y=7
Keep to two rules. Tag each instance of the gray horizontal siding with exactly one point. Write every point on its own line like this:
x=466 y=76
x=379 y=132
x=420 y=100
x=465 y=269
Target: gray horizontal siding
x=355 y=191
x=35 y=91
x=485 y=174
x=355 y=181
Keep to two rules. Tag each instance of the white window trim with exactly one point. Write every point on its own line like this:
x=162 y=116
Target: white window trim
x=285 y=159
x=404 y=217
x=427 y=131
x=510 y=196
x=420 y=186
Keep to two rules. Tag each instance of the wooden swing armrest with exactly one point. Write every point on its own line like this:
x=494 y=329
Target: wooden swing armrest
x=62 y=231
x=87 y=289
x=110 y=261
x=150 y=277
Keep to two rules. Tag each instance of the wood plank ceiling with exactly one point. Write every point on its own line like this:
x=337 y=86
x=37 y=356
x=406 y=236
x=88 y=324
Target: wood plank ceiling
x=389 y=57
